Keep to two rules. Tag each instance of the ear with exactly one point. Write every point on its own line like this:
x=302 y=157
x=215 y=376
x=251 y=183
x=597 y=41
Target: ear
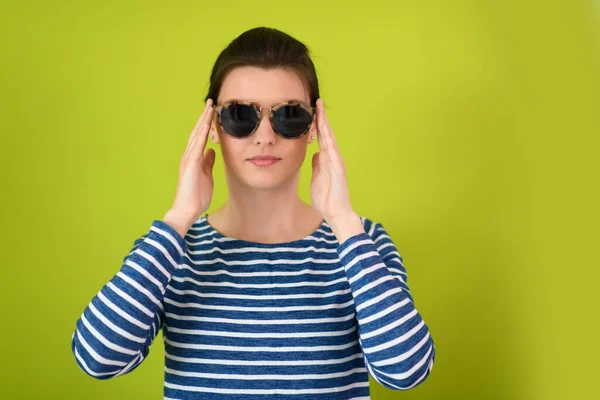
x=313 y=130
x=214 y=131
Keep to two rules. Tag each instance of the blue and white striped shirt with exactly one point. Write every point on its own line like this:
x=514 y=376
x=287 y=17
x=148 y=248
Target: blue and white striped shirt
x=307 y=319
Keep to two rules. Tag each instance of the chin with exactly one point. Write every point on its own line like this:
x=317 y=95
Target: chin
x=262 y=180
x=271 y=177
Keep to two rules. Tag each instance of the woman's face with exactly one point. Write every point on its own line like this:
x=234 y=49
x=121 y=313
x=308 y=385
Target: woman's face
x=264 y=88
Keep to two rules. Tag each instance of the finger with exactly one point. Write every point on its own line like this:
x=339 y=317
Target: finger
x=188 y=150
x=333 y=155
x=332 y=139
x=320 y=127
x=321 y=139
x=205 y=128
x=198 y=123
x=325 y=127
x=196 y=133
x=207 y=107
x=199 y=144
x=209 y=161
x=315 y=163
x=324 y=132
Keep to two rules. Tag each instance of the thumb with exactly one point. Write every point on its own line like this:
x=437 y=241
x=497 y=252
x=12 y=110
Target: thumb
x=209 y=160
x=316 y=167
x=315 y=161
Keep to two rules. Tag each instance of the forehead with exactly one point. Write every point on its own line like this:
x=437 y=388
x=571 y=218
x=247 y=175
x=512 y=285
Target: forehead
x=262 y=86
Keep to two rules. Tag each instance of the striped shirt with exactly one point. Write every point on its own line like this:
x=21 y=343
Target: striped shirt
x=306 y=319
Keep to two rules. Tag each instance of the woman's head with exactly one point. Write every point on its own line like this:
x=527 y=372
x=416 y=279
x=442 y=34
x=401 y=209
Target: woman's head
x=266 y=67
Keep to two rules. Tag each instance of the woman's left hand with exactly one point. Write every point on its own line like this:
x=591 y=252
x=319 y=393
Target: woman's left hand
x=328 y=187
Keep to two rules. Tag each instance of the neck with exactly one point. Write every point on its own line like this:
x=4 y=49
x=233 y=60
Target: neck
x=263 y=212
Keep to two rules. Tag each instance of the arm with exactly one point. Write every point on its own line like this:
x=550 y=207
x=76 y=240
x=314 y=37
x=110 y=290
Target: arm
x=114 y=333
x=398 y=348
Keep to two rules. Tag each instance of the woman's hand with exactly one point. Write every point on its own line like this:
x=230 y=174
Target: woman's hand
x=195 y=186
x=328 y=187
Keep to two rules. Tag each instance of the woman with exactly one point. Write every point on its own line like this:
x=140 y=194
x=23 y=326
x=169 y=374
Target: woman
x=267 y=296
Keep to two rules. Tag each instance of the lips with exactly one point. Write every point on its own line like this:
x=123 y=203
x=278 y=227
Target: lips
x=264 y=161
x=263 y=158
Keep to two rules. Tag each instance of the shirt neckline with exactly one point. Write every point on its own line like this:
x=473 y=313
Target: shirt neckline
x=217 y=234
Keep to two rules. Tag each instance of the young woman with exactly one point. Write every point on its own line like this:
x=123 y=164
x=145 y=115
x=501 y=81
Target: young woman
x=268 y=296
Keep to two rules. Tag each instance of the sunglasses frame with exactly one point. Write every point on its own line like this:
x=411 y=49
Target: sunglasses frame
x=258 y=109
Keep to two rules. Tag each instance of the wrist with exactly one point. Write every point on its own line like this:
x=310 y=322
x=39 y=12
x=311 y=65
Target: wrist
x=179 y=221
x=346 y=226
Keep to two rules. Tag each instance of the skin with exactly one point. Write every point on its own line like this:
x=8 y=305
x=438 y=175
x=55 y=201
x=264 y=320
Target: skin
x=263 y=203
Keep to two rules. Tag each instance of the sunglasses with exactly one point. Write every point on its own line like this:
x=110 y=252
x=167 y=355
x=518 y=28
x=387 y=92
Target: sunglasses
x=240 y=119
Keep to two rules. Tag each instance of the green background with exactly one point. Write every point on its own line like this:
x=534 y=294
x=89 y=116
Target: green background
x=469 y=129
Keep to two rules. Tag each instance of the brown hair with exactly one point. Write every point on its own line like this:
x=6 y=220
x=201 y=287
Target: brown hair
x=265 y=48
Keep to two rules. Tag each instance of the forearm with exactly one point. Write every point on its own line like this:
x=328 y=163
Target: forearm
x=117 y=327
x=396 y=342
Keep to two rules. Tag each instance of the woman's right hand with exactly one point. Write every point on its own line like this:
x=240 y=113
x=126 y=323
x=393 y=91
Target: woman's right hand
x=195 y=186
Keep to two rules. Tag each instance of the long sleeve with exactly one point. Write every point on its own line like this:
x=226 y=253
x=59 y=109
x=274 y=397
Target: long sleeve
x=114 y=333
x=398 y=349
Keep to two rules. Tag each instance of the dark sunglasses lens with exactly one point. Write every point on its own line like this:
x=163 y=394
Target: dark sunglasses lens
x=291 y=121
x=238 y=120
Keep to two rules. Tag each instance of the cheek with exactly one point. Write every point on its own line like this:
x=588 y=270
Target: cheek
x=235 y=152
x=232 y=148
x=298 y=153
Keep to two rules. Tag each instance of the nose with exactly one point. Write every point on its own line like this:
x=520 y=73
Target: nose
x=264 y=133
